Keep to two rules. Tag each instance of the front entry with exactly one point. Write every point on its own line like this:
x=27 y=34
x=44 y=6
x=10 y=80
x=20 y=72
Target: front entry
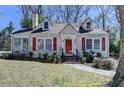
x=68 y=47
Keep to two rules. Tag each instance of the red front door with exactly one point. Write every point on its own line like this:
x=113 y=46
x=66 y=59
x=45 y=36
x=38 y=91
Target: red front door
x=68 y=46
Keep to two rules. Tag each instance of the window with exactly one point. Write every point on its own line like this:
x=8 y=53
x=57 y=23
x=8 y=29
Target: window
x=88 y=25
x=25 y=43
x=96 y=43
x=40 y=44
x=48 y=44
x=89 y=43
x=17 y=44
x=45 y=25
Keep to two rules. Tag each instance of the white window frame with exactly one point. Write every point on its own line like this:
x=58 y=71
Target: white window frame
x=23 y=44
x=20 y=49
x=44 y=44
x=51 y=45
x=99 y=43
x=86 y=43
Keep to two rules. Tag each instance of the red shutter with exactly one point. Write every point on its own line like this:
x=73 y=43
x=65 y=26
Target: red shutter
x=83 y=43
x=34 y=43
x=103 y=43
x=54 y=43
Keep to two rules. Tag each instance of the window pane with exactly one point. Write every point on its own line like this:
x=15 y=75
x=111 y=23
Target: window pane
x=25 y=43
x=48 y=44
x=88 y=25
x=96 y=43
x=46 y=25
x=17 y=44
x=89 y=43
x=41 y=44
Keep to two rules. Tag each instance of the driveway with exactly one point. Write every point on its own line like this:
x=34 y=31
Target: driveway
x=108 y=73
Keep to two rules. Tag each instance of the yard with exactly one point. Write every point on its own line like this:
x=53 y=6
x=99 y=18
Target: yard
x=25 y=73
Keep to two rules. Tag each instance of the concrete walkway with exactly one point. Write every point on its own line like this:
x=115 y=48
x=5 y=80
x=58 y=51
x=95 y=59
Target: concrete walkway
x=108 y=73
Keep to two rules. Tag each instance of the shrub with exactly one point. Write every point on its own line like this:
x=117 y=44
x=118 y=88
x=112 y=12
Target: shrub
x=89 y=59
x=97 y=63
x=56 y=59
x=8 y=56
x=115 y=55
x=99 y=55
x=51 y=59
x=85 y=54
x=83 y=60
x=89 y=56
x=115 y=47
x=107 y=64
x=31 y=54
x=103 y=64
x=45 y=57
x=19 y=56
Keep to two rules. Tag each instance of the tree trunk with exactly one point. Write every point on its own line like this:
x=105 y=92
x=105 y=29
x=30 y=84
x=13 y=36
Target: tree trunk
x=118 y=79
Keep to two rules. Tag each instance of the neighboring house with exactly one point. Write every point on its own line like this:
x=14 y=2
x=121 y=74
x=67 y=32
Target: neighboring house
x=60 y=37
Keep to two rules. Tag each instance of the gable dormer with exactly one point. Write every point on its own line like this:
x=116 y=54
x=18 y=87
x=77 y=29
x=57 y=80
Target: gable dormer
x=87 y=24
x=46 y=24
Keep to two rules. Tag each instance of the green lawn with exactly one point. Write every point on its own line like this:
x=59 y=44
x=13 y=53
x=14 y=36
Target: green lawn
x=25 y=73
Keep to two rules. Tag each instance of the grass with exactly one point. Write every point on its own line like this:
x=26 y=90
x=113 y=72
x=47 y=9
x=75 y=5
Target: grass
x=25 y=73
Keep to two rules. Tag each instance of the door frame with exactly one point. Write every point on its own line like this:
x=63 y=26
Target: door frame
x=71 y=47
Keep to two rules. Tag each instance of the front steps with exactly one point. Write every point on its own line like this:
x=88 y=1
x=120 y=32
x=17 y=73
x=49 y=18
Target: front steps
x=71 y=59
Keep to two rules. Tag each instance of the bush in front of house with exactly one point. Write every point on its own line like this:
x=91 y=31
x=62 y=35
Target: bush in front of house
x=83 y=60
x=45 y=58
x=54 y=58
x=97 y=63
x=98 y=55
x=19 y=56
x=107 y=64
x=103 y=64
x=15 y=56
x=88 y=56
x=85 y=54
x=31 y=54
x=7 y=56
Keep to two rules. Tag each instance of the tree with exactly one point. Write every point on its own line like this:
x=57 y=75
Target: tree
x=118 y=79
x=81 y=12
x=26 y=23
x=102 y=16
x=5 y=37
x=27 y=11
x=72 y=13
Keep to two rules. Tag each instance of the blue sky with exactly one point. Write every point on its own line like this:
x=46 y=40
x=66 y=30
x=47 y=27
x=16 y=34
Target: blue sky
x=9 y=13
x=12 y=13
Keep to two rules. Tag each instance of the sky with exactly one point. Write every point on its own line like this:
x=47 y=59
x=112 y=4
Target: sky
x=9 y=13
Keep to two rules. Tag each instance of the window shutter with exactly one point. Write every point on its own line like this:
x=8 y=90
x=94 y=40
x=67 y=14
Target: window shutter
x=83 y=43
x=54 y=43
x=103 y=43
x=34 y=43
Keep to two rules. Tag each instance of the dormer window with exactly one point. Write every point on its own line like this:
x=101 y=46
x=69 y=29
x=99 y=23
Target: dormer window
x=88 y=25
x=46 y=25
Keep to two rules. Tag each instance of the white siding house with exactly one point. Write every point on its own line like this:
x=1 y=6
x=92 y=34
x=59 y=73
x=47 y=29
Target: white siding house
x=55 y=37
